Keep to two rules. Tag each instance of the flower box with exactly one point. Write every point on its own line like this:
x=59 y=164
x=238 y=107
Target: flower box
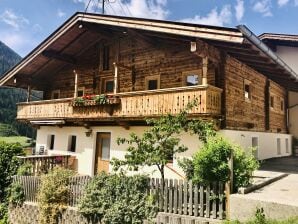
x=96 y=100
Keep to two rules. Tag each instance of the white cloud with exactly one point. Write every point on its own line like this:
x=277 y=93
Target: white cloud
x=282 y=2
x=137 y=8
x=60 y=13
x=22 y=43
x=263 y=7
x=13 y=20
x=214 y=17
x=239 y=10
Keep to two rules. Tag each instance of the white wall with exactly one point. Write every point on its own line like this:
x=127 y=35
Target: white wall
x=267 y=142
x=290 y=56
x=85 y=150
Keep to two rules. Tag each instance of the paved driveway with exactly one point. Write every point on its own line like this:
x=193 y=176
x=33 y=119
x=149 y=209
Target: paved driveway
x=279 y=199
x=284 y=164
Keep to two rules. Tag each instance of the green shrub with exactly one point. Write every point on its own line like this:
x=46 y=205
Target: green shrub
x=8 y=167
x=25 y=169
x=53 y=194
x=211 y=163
x=117 y=199
x=16 y=194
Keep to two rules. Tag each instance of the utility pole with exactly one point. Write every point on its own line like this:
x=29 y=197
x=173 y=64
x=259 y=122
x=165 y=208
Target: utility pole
x=103 y=7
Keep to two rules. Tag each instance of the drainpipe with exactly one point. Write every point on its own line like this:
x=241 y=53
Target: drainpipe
x=265 y=49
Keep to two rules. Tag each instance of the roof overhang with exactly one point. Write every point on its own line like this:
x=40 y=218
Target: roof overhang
x=235 y=42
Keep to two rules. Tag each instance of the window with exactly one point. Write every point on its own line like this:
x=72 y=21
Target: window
x=107 y=85
x=105 y=144
x=247 y=90
x=72 y=141
x=81 y=92
x=272 y=101
x=192 y=78
x=281 y=105
x=152 y=82
x=106 y=58
x=51 y=142
x=287 y=145
x=278 y=145
x=255 y=145
x=55 y=94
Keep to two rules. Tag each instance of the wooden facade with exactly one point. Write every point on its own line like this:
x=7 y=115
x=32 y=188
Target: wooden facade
x=148 y=71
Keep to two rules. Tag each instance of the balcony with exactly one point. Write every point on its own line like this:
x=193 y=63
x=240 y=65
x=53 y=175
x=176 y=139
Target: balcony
x=132 y=105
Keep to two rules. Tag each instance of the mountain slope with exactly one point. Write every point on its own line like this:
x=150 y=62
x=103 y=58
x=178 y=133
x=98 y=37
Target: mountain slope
x=9 y=97
x=8 y=58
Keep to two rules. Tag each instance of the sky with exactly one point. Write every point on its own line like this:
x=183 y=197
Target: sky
x=26 y=23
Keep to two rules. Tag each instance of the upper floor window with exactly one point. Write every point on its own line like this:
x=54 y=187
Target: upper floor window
x=281 y=105
x=247 y=90
x=192 y=78
x=55 y=94
x=81 y=92
x=106 y=58
x=152 y=82
x=107 y=85
x=72 y=141
x=272 y=101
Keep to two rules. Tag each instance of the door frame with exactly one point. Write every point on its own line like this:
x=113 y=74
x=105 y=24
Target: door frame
x=95 y=157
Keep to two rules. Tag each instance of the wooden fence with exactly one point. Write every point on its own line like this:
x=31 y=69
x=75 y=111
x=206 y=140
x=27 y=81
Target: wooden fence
x=31 y=184
x=175 y=196
x=44 y=163
x=185 y=198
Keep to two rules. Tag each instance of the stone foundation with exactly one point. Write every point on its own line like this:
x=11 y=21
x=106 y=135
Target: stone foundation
x=28 y=214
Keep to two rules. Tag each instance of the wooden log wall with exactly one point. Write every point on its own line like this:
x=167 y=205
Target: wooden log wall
x=251 y=115
x=277 y=112
x=140 y=60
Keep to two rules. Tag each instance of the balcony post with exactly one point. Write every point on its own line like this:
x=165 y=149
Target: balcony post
x=76 y=84
x=115 y=77
x=28 y=93
x=205 y=71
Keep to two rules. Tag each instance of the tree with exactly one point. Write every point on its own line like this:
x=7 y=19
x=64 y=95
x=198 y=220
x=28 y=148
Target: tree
x=161 y=141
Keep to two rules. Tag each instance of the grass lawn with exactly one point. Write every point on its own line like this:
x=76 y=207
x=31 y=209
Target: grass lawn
x=16 y=139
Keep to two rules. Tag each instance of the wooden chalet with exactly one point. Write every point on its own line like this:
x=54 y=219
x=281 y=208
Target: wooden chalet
x=146 y=68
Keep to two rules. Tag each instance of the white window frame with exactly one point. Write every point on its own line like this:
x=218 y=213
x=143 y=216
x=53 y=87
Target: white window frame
x=152 y=77
x=54 y=92
x=197 y=72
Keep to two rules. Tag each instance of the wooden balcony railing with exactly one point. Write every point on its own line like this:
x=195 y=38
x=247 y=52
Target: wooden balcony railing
x=132 y=105
x=44 y=163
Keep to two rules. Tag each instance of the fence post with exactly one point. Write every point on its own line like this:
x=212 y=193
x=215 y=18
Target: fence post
x=227 y=191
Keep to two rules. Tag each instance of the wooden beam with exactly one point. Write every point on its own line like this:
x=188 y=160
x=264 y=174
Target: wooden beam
x=203 y=50
x=143 y=38
x=59 y=56
x=107 y=34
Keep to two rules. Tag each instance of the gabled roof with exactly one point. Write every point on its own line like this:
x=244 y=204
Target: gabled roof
x=280 y=39
x=73 y=37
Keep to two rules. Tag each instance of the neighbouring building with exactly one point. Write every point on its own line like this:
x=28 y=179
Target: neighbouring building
x=147 y=68
x=286 y=47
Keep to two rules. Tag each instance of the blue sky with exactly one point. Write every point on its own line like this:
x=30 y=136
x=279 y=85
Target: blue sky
x=24 y=24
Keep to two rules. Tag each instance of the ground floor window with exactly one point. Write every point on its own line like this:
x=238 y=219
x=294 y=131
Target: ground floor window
x=51 y=142
x=72 y=141
x=278 y=145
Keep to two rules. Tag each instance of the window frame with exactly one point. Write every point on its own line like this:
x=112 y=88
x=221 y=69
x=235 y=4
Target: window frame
x=71 y=143
x=106 y=51
x=56 y=91
x=81 y=89
x=249 y=93
x=51 y=142
x=103 y=81
x=152 y=77
x=197 y=72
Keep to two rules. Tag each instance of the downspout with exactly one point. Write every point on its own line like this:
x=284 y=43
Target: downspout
x=265 y=49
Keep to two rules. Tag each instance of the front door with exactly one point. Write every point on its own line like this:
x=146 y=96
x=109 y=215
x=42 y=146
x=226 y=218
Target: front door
x=102 y=155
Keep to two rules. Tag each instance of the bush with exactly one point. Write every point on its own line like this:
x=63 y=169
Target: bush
x=211 y=163
x=8 y=167
x=53 y=194
x=117 y=199
x=17 y=194
x=25 y=169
